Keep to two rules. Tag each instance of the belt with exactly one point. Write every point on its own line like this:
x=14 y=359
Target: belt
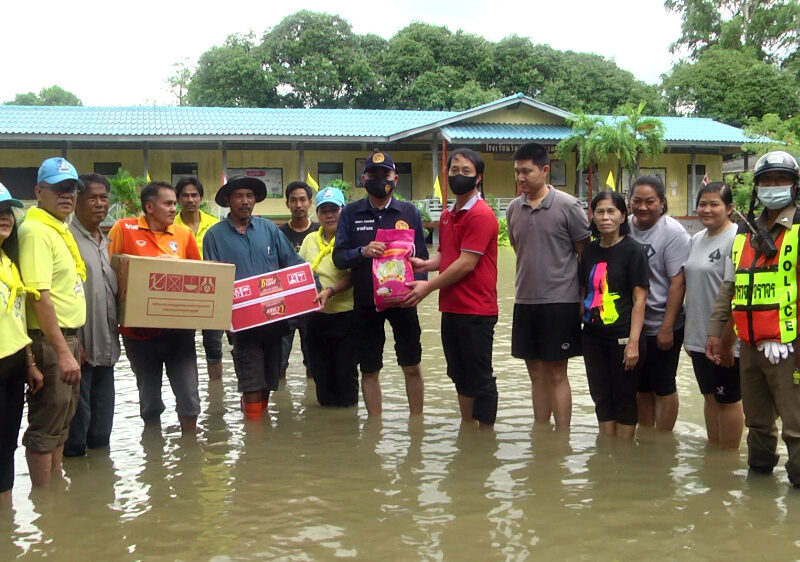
x=66 y=331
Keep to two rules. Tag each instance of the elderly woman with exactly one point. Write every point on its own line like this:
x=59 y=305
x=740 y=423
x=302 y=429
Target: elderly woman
x=331 y=341
x=16 y=357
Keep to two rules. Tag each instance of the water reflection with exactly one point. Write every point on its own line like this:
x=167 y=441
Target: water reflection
x=315 y=484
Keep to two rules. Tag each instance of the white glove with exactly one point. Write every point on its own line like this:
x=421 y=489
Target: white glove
x=775 y=351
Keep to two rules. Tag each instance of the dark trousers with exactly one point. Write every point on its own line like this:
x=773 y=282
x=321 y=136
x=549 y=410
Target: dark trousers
x=175 y=351
x=212 y=343
x=12 y=397
x=91 y=425
x=297 y=323
x=333 y=357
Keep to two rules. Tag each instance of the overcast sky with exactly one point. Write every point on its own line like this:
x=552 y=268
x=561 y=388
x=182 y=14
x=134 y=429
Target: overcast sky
x=121 y=53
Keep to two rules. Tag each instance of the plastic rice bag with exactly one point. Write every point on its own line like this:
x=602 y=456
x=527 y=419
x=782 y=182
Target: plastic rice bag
x=392 y=270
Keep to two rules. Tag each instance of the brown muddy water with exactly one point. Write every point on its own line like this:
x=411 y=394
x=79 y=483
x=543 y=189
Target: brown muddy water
x=317 y=484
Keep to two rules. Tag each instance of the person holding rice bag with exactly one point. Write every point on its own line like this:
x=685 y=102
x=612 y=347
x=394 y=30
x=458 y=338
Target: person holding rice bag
x=355 y=249
x=467 y=283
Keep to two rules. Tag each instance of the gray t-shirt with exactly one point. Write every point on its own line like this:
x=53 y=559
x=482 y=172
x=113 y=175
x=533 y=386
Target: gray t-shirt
x=708 y=265
x=667 y=246
x=544 y=239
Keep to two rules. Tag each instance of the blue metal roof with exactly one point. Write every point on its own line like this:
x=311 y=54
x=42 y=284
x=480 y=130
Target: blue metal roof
x=701 y=129
x=505 y=131
x=677 y=130
x=19 y=122
x=210 y=121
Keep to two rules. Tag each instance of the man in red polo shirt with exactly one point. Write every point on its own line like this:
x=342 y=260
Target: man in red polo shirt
x=150 y=349
x=467 y=265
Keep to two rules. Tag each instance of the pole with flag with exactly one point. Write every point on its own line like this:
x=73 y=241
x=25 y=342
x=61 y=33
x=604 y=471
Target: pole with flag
x=311 y=182
x=705 y=180
x=610 y=181
x=437 y=190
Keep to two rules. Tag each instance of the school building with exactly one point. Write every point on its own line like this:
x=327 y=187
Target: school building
x=280 y=145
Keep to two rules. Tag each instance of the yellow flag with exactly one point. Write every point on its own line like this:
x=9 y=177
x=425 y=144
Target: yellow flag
x=610 y=181
x=310 y=181
x=437 y=190
x=148 y=176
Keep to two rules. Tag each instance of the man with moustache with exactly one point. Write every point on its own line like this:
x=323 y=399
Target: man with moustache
x=91 y=425
x=189 y=190
x=255 y=246
x=51 y=263
x=355 y=248
x=151 y=349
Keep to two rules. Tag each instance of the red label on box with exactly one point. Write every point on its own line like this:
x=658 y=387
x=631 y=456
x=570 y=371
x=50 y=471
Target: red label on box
x=272 y=283
x=271 y=309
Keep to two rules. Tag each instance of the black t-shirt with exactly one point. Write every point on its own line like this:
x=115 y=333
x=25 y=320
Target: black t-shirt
x=608 y=275
x=296 y=238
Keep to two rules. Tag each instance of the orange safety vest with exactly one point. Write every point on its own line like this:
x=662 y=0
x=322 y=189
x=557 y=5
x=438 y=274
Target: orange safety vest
x=764 y=303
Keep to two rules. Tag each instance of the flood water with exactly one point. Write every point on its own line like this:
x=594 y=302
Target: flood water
x=316 y=484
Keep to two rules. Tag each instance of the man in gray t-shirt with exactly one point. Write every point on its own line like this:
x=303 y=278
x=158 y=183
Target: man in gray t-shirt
x=547 y=229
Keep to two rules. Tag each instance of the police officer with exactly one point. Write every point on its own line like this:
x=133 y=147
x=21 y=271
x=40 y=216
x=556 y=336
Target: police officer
x=760 y=296
x=354 y=249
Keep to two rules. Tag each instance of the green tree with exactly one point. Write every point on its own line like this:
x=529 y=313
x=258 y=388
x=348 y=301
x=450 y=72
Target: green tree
x=638 y=135
x=54 y=95
x=124 y=193
x=232 y=76
x=584 y=140
x=317 y=61
x=785 y=133
x=730 y=86
x=179 y=82
x=770 y=29
x=569 y=80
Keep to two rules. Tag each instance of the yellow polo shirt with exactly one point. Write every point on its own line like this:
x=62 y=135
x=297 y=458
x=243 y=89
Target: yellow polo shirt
x=206 y=222
x=12 y=324
x=328 y=275
x=46 y=264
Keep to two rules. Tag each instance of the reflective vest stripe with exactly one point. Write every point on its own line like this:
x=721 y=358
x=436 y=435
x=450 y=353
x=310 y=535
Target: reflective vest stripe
x=765 y=298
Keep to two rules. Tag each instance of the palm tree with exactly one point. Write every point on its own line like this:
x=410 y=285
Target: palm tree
x=584 y=141
x=638 y=135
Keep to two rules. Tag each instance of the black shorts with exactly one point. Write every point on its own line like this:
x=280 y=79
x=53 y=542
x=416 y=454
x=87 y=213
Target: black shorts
x=547 y=332
x=659 y=368
x=467 y=342
x=372 y=337
x=722 y=382
x=613 y=389
x=257 y=356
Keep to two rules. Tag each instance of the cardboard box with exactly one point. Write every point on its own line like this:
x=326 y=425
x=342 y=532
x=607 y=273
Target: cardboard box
x=274 y=296
x=173 y=293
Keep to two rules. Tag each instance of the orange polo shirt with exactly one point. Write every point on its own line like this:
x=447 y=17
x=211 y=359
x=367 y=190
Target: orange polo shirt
x=133 y=236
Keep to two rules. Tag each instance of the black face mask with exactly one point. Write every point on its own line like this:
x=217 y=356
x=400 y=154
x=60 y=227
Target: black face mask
x=461 y=184
x=379 y=187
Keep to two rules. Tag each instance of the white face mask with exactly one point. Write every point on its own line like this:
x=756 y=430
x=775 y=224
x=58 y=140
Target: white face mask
x=775 y=198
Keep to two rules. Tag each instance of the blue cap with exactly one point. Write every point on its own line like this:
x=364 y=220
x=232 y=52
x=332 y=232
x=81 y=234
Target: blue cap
x=5 y=195
x=54 y=170
x=379 y=159
x=330 y=195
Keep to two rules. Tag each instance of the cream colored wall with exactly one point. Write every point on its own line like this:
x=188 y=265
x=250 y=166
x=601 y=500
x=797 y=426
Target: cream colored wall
x=677 y=179
x=499 y=171
x=499 y=175
x=84 y=160
x=524 y=114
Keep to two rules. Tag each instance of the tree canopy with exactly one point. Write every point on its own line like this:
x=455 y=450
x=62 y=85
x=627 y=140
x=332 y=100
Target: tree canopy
x=315 y=60
x=731 y=86
x=770 y=29
x=54 y=95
